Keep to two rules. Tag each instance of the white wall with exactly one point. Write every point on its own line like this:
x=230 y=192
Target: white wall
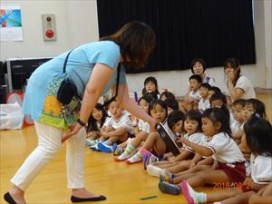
x=77 y=23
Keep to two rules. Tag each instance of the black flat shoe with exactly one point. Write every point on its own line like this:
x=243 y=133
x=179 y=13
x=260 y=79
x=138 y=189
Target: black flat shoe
x=9 y=199
x=77 y=200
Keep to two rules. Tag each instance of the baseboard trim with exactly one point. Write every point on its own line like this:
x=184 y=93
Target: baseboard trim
x=263 y=90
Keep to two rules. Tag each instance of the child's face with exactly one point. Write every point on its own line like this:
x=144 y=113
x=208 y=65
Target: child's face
x=150 y=87
x=115 y=110
x=198 y=68
x=144 y=105
x=178 y=127
x=194 y=85
x=237 y=112
x=97 y=114
x=204 y=92
x=158 y=113
x=208 y=127
x=247 y=112
x=190 y=126
x=216 y=103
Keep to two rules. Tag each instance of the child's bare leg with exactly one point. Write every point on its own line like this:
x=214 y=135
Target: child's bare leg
x=120 y=133
x=193 y=196
x=132 y=146
x=161 y=163
x=150 y=141
x=141 y=137
x=194 y=170
x=149 y=144
x=207 y=177
x=159 y=146
x=112 y=140
x=237 y=199
x=179 y=167
x=179 y=178
x=222 y=195
x=264 y=195
x=167 y=155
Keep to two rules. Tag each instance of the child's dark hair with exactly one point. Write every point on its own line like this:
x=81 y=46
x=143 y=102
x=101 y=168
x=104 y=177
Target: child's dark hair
x=201 y=61
x=206 y=85
x=259 y=107
x=220 y=115
x=147 y=97
x=218 y=96
x=259 y=135
x=174 y=117
x=92 y=125
x=167 y=94
x=156 y=102
x=215 y=89
x=154 y=95
x=194 y=115
x=241 y=102
x=196 y=77
x=172 y=103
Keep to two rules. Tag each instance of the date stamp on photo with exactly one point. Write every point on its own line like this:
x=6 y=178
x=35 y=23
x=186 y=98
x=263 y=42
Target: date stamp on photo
x=225 y=185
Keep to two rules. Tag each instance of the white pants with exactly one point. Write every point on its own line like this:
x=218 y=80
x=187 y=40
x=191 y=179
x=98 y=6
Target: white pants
x=49 y=143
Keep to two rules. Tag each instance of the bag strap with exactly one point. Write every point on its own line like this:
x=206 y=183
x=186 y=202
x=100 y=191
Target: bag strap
x=65 y=62
x=117 y=85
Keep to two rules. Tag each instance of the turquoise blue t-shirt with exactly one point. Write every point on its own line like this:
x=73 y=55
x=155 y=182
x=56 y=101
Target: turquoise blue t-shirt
x=81 y=61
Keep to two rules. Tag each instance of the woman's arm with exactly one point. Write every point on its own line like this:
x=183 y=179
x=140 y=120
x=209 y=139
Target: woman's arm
x=133 y=108
x=235 y=93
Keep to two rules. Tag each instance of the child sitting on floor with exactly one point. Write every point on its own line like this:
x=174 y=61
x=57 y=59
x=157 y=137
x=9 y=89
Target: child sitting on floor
x=258 y=133
x=192 y=126
x=142 y=130
x=204 y=102
x=229 y=163
x=115 y=130
x=153 y=143
x=239 y=119
x=252 y=106
x=193 y=97
x=95 y=123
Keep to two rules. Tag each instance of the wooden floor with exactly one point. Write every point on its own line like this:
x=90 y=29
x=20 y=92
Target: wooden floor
x=121 y=183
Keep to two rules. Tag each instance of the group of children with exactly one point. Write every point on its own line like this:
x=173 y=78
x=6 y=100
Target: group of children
x=221 y=144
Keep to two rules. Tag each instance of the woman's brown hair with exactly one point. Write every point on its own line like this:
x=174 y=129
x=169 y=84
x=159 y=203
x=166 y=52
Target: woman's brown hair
x=136 y=40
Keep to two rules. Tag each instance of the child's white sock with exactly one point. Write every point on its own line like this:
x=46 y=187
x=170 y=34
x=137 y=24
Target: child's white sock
x=154 y=171
x=127 y=153
x=135 y=158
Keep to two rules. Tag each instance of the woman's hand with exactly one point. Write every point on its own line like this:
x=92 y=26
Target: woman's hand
x=73 y=129
x=230 y=76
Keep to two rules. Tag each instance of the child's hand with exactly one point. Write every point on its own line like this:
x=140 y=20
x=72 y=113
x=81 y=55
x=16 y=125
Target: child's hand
x=184 y=141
